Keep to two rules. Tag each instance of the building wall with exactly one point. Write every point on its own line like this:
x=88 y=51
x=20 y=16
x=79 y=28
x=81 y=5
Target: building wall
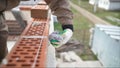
x=106 y=47
x=114 y=6
x=92 y=2
x=106 y=4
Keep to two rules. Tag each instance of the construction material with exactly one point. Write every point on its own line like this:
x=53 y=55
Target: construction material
x=31 y=49
x=14 y=27
x=40 y=11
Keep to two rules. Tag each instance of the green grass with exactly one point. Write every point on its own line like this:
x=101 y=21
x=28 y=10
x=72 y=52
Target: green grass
x=100 y=12
x=57 y=26
x=82 y=26
x=81 y=33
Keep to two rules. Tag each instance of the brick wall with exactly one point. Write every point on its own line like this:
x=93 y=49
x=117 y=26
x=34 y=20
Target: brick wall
x=31 y=48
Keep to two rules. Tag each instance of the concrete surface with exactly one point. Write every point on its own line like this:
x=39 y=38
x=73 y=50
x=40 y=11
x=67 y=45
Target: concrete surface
x=10 y=45
x=77 y=63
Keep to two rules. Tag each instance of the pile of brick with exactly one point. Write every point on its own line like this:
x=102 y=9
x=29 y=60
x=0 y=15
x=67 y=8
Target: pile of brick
x=31 y=48
x=14 y=27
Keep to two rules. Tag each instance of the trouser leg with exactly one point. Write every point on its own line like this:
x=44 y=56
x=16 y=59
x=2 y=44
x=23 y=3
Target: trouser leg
x=3 y=38
x=3 y=44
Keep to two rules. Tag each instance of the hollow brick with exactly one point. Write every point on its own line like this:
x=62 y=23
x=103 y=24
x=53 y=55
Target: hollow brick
x=28 y=48
x=40 y=11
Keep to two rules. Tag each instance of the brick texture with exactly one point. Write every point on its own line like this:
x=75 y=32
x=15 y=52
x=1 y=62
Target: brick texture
x=28 y=52
x=31 y=49
x=37 y=27
x=40 y=11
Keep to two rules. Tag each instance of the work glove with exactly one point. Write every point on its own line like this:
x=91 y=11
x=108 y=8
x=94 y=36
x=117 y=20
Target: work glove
x=59 y=38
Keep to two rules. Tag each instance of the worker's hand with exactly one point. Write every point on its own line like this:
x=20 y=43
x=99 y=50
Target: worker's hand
x=59 y=38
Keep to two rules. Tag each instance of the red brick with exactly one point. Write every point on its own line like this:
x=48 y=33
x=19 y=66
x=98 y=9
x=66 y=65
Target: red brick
x=24 y=53
x=40 y=11
x=37 y=28
x=30 y=52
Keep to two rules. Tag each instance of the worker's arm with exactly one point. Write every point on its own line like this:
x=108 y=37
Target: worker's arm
x=58 y=39
x=61 y=9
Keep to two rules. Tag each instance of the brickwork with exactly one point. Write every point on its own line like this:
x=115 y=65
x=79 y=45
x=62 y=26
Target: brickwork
x=31 y=49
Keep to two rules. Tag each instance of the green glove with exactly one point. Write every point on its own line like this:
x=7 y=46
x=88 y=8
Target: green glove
x=58 y=39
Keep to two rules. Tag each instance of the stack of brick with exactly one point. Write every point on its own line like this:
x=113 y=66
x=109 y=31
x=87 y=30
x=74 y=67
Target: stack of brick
x=14 y=28
x=31 y=49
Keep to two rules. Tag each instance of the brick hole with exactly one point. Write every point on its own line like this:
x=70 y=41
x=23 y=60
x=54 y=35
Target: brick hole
x=22 y=45
x=39 y=53
x=41 y=47
x=23 y=53
x=38 y=57
x=28 y=42
x=34 y=53
x=14 y=52
x=30 y=50
x=11 y=65
x=36 y=48
x=28 y=57
x=19 y=49
x=26 y=47
x=26 y=64
x=38 y=61
x=38 y=43
x=31 y=60
x=22 y=41
x=15 y=56
x=40 y=50
x=34 y=40
x=10 y=60
x=32 y=45
x=20 y=60
x=36 y=65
